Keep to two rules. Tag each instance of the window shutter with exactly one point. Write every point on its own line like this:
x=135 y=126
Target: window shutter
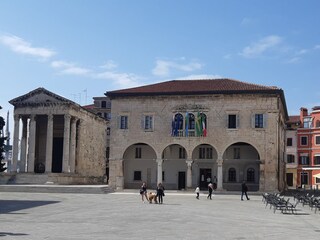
x=118 y=122
x=253 y=120
x=237 y=121
x=143 y=121
x=265 y=120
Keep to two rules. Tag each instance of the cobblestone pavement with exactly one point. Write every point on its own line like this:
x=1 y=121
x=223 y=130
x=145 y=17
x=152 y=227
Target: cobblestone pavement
x=122 y=215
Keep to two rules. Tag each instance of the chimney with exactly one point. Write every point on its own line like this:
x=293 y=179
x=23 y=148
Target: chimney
x=303 y=113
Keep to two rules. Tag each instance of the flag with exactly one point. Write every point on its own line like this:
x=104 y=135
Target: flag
x=204 y=128
x=198 y=125
x=187 y=124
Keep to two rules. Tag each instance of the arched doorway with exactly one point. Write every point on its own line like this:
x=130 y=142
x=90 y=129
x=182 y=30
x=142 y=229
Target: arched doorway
x=205 y=166
x=139 y=166
x=241 y=162
x=174 y=169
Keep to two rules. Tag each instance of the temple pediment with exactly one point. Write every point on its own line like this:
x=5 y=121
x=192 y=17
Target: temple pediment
x=40 y=96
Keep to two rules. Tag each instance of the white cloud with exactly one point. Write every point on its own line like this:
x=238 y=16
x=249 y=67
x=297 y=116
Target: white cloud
x=21 y=46
x=199 y=76
x=123 y=80
x=293 y=60
x=163 y=68
x=317 y=47
x=69 y=68
x=109 y=65
x=258 y=48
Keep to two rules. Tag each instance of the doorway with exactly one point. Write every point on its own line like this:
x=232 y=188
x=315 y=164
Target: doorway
x=205 y=178
x=57 y=155
x=182 y=180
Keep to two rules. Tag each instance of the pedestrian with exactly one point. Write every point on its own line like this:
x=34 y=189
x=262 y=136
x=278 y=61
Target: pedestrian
x=197 y=191
x=160 y=193
x=244 y=189
x=210 y=189
x=143 y=192
x=215 y=180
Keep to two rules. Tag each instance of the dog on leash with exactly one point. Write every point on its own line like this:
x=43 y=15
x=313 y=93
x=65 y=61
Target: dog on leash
x=152 y=196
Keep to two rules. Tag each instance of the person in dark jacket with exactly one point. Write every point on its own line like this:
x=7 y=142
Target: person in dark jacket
x=160 y=193
x=244 y=189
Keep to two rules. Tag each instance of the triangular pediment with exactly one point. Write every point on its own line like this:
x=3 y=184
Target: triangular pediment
x=40 y=96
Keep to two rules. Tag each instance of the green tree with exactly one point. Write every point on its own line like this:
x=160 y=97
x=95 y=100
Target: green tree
x=2 y=139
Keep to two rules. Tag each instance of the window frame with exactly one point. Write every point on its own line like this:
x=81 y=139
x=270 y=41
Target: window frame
x=138 y=153
x=304 y=137
x=136 y=175
x=251 y=175
x=317 y=140
x=290 y=158
x=124 y=122
x=289 y=142
x=148 y=122
x=259 y=120
x=232 y=175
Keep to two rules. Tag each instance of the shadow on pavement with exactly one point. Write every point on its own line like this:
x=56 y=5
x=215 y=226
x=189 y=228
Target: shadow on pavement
x=3 y=234
x=9 y=206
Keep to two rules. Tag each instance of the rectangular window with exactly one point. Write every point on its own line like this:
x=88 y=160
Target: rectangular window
x=289 y=142
x=307 y=121
x=316 y=160
x=290 y=158
x=148 y=123
x=163 y=176
x=304 y=141
x=123 y=122
x=108 y=131
x=209 y=153
x=317 y=180
x=317 y=140
x=258 y=121
x=138 y=152
x=232 y=121
x=236 y=153
x=304 y=178
x=202 y=153
x=182 y=153
x=137 y=175
x=304 y=160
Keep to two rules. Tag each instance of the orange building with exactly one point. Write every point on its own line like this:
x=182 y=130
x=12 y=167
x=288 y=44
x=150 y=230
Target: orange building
x=308 y=148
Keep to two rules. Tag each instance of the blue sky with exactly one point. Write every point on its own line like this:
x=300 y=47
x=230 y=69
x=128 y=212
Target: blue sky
x=80 y=49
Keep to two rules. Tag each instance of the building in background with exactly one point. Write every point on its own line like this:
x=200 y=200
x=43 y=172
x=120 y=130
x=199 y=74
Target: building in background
x=308 y=148
x=187 y=133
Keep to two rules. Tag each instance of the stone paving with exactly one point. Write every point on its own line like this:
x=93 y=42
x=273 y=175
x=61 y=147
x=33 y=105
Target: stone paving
x=122 y=215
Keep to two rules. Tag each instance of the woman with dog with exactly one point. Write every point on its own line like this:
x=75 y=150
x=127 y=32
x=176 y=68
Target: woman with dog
x=160 y=193
x=143 y=192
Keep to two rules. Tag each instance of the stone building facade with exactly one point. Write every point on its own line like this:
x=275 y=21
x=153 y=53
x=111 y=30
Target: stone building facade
x=57 y=137
x=187 y=133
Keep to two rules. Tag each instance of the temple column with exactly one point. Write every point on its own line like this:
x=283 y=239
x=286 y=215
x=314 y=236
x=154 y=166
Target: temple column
x=23 y=145
x=189 y=173
x=49 y=144
x=159 y=170
x=66 y=144
x=15 y=143
x=220 y=174
x=73 y=145
x=32 y=143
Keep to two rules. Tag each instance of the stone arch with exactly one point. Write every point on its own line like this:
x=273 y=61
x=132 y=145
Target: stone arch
x=174 y=166
x=241 y=156
x=139 y=165
x=204 y=168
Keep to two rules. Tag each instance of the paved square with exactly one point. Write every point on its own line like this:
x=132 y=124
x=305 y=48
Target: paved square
x=122 y=215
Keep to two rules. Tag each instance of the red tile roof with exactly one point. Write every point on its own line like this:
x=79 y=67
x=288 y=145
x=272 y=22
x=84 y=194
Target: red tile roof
x=193 y=87
x=294 y=119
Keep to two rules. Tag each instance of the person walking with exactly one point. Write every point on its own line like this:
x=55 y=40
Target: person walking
x=197 y=191
x=160 y=193
x=210 y=189
x=244 y=189
x=143 y=192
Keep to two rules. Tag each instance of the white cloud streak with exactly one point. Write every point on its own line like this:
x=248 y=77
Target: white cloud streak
x=163 y=68
x=21 y=46
x=69 y=68
x=123 y=80
x=258 y=48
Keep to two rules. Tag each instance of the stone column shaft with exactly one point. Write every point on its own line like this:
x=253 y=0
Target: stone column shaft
x=66 y=144
x=23 y=144
x=32 y=143
x=159 y=170
x=220 y=174
x=73 y=145
x=49 y=144
x=189 y=173
x=15 y=153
